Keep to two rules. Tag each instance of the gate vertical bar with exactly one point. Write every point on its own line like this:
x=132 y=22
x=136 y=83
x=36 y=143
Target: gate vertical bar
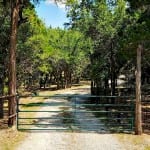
x=17 y=99
x=132 y=115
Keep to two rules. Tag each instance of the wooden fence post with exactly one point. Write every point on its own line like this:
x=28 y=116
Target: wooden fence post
x=138 y=112
x=1 y=109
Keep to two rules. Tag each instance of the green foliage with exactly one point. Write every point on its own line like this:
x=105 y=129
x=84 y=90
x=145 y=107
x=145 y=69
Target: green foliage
x=4 y=43
x=116 y=28
x=42 y=50
x=100 y=32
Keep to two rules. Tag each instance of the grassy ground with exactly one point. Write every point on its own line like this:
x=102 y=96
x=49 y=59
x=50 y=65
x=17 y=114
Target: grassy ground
x=9 y=138
x=135 y=142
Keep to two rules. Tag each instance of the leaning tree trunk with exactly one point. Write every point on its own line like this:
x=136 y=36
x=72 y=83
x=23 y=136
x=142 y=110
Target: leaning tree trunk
x=12 y=60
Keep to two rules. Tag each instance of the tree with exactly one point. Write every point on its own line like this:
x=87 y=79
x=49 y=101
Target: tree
x=12 y=57
x=139 y=39
x=4 y=32
x=16 y=12
x=97 y=19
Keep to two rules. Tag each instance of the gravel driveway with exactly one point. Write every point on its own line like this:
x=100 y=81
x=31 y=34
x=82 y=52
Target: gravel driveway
x=52 y=140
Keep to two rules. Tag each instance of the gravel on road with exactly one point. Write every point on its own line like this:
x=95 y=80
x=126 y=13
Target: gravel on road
x=52 y=140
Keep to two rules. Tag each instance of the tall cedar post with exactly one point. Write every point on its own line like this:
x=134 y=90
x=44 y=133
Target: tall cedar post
x=138 y=115
x=12 y=60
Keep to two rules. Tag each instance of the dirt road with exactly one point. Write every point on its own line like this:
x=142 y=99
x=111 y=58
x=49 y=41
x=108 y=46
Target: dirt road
x=52 y=140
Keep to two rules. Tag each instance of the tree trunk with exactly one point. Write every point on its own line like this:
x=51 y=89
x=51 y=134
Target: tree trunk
x=70 y=79
x=45 y=80
x=106 y=86
x=92 y=87
x=58 y=80
x=65 y=79
x=113 y=86
x=138 y=116
x=12 y=60
x=1 y=108
x=1 y=93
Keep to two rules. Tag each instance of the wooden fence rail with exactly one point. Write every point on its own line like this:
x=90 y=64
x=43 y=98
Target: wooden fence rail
x=5 y=97
x=4 y=109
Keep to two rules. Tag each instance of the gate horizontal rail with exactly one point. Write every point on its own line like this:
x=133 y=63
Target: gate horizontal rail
x=77 y=111
x=78 y=95
x=73 y=118
x=113 y=105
